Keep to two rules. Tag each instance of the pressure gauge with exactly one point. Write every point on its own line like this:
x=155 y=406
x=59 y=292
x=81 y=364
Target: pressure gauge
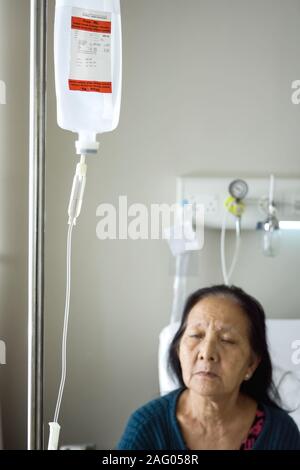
x=238 y=189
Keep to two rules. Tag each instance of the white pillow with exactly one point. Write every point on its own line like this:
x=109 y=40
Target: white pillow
x=288 y=385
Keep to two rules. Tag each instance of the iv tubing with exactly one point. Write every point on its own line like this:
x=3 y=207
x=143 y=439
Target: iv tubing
x=223 y=261
x=227 y=275
x=73 y=212
x=271 y=190
x=237 y=247
x=179 y=285
x=66 y=320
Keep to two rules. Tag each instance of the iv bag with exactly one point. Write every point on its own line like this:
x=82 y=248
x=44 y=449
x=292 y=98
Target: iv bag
x=88 y=68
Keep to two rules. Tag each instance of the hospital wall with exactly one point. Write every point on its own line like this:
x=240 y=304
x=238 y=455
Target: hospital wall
x=206 y=90
x=14 y=72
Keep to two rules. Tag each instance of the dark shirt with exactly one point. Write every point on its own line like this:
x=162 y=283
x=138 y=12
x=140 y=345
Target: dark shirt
x=154 y=426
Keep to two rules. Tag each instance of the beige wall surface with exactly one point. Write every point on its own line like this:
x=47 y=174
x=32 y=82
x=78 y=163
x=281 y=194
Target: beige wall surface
x=206 y=90
x=14 y=71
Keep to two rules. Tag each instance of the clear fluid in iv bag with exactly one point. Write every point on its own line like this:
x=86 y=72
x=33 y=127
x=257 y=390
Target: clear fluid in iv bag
x=88 y=65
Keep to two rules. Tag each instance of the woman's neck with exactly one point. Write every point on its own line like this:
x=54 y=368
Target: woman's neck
x=217 y=411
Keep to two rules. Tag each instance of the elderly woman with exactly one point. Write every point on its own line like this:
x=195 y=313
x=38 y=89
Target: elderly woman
x=226 y=399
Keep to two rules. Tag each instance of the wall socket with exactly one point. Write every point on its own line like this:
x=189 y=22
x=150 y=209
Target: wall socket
x=210 y=202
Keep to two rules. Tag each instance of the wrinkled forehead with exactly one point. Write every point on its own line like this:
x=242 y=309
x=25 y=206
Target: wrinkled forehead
x=220 y=313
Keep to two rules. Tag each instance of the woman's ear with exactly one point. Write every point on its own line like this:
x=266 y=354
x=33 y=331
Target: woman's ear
x=254 y=363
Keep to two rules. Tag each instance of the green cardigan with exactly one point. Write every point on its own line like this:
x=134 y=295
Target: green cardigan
x=154 y=426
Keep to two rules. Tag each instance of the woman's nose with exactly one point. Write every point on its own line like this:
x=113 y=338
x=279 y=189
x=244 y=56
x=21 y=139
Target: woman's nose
x=207 y=351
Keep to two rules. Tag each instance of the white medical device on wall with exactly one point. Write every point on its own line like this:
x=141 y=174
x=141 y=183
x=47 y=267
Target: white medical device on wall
x=212 y=191
x=88 y=75
x=270 y=225
x=234 y=206
x=279 y=207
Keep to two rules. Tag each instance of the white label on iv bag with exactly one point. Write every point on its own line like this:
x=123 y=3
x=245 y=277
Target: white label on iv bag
x=90 y=66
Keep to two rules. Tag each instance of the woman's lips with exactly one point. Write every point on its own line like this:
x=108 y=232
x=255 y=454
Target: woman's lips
x=209 y=375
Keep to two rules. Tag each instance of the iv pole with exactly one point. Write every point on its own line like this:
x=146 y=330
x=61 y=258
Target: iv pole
x=38 y=69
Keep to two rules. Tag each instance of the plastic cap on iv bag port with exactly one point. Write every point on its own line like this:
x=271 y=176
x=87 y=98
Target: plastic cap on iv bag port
x=87 y=144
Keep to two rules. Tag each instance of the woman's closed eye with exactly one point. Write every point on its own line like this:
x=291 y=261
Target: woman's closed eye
x=196 y=335
x=228 y=340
